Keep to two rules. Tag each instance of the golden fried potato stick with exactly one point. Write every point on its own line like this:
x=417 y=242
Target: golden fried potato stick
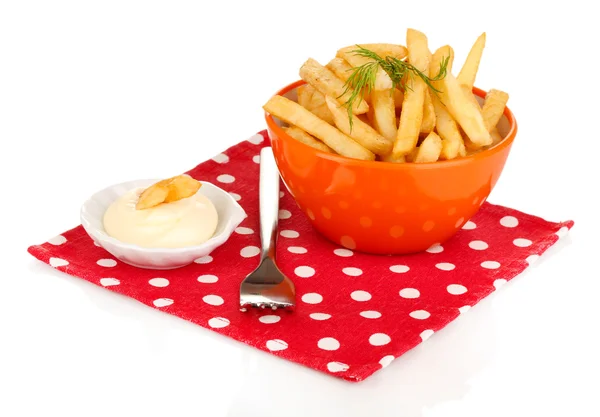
x=384 y=49
x=382 y=79
x=293 y=113
x=325 y=81
x=448 y=130
x=152 y=196
x=343 y=71
x=301 y=136
x=468 y=72
x=428 y=123
x=361 y=132
x=493 y=108
x=469 y=94
x=430 y=149
x=412 y=155
x=313 y=101
x=461 y=107
x=384 y=113
x=411 y=117
x=180 y=187
x=497 y=138
x=167 y=191
x=446 y=127
x=398 y=98
x=390 y=158
x=305 y=93
x=341 y=68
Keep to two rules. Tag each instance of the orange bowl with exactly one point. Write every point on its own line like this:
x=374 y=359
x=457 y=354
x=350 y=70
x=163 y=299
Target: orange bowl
x=387 y=208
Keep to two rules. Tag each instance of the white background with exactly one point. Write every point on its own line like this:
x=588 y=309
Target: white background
x=98 y=92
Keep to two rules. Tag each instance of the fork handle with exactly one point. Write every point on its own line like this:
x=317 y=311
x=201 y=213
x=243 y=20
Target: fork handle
x=268 y=202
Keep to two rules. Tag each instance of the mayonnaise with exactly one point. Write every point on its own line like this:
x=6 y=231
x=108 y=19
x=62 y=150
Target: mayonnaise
x=187 y=222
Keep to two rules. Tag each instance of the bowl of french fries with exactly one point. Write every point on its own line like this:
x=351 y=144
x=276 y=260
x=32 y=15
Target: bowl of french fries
x=385 y=149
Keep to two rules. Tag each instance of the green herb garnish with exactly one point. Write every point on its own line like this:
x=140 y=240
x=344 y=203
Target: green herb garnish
x=363 y=77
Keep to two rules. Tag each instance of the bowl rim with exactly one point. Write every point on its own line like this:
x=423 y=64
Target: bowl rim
x=504 y=143
x=104 y=237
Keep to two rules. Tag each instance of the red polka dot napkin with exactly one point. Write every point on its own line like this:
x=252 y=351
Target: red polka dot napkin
x=355 y=312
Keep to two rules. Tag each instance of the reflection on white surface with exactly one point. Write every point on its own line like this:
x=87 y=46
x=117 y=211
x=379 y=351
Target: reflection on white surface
x=432 y=374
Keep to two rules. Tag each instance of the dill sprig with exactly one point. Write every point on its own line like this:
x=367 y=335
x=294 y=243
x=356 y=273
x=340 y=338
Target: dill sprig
x=363 y=77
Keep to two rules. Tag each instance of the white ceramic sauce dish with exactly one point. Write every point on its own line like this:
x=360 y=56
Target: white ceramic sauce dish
x=230 y=213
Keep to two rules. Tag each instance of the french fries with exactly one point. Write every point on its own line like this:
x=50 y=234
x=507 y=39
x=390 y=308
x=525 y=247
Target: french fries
x=398 y=98
x=382 y=79
x=340 y=68
x=180 y=187
x=385 y=49
x=468 y=72
x=343 y=70
x=493 y=107
x=428 y=122
x=384 y=113
x=406 y=105
x=414 y=97
x=168 y=191
x=495 y=136
x=448 y=130
x=314 y=101
x=391 y=158
x=325 y=81
x=469 y=94
x=446 y=127
x=430 y=149
x=461 y=107
x=361 y=132
x=301 y=136
x=152 y=196
x=293 y=113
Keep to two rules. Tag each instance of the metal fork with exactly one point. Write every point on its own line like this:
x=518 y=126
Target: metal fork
x=266 y=286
